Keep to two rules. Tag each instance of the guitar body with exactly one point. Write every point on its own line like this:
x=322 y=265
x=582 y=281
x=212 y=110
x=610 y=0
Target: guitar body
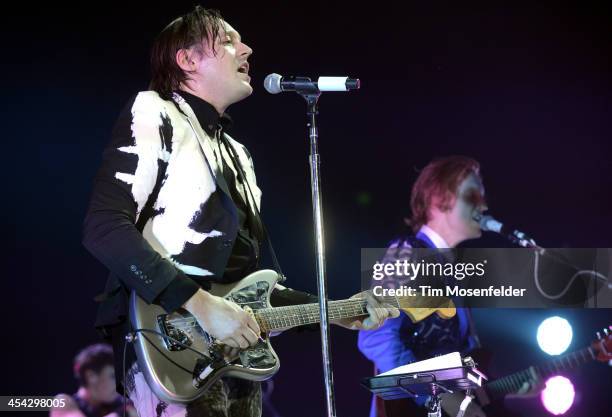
x=179 y=375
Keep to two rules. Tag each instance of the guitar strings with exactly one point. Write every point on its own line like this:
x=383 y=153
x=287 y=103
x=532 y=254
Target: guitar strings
x=276 y=322
x=279 y=317
x=281 y=311
x=341 y=304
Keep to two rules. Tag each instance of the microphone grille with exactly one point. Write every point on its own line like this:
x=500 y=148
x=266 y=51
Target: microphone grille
x=483 y=221
x=489 y=224
x=272 y=83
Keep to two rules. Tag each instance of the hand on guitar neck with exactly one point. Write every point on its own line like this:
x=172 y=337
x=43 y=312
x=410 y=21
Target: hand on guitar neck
x=531 y=387
x=378 y=313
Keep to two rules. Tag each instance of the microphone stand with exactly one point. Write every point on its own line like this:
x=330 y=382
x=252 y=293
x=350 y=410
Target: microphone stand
x=312 y=96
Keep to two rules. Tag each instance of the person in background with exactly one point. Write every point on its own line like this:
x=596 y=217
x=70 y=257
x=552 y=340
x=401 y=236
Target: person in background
x=445 y=197
x=96 y=397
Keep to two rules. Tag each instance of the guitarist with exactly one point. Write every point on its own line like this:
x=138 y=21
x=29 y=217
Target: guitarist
x=446 y=194
x=175 y=207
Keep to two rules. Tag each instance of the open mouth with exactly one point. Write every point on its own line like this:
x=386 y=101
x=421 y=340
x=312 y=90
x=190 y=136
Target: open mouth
x=244 y=68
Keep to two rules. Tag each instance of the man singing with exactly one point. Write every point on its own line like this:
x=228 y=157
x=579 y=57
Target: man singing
x=176 y=206
x=445 y=197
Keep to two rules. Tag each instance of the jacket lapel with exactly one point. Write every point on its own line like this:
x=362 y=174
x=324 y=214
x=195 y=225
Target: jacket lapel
x=205 y=144
x=245 y=163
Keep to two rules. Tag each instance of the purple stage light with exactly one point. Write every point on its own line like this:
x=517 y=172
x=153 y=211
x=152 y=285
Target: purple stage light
x=558 y=396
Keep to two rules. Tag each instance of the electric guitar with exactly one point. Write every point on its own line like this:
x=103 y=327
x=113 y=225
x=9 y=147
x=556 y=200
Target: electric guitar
x=489 y=395
x=181 y=361
x=599 y=350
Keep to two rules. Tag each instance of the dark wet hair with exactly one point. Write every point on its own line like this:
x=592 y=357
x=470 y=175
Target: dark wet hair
x=190 y=30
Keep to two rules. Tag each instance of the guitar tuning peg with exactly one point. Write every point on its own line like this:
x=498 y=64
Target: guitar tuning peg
x=598 y=336
x=606 y=332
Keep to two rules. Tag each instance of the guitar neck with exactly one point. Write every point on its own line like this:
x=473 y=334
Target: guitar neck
x=279 y=318
x=512 y=383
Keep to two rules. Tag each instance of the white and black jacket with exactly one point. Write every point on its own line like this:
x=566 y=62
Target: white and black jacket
x=188 y=237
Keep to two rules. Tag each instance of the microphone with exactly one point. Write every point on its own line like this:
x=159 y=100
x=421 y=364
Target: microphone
x=276 y=83
x=490 y=224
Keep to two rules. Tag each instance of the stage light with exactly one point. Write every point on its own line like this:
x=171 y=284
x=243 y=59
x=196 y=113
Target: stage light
x=558 y=396
x=554 y=335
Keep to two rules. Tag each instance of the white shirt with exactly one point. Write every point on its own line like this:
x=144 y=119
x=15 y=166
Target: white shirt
x=435 y=238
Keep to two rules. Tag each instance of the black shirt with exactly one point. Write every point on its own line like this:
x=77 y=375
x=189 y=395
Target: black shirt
x=245 y=252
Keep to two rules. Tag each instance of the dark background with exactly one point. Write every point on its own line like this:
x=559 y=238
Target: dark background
x=526 y=90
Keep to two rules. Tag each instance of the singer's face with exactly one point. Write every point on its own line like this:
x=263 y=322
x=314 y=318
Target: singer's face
x=223 y=76
x=469 y=201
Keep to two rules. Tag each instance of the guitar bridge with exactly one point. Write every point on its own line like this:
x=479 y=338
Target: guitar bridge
x=258 y=356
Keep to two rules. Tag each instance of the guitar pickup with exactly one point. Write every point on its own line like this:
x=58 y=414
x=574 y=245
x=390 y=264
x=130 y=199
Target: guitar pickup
x=177 y=334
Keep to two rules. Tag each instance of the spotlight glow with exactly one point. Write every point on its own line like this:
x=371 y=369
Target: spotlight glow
x=554 y=335
x=558 y=396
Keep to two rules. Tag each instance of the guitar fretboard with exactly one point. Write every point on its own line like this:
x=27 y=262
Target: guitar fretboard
x=512 y=383
x=278 y=318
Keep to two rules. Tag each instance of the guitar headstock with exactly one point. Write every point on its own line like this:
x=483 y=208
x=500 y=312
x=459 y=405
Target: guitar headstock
x=603 y=345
